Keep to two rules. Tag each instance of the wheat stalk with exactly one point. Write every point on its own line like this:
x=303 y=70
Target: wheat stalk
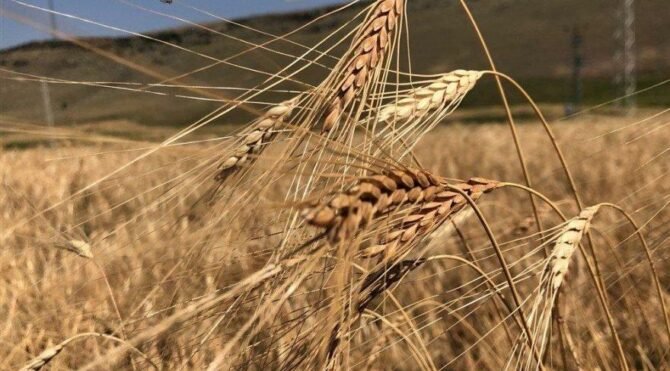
x=370 y=48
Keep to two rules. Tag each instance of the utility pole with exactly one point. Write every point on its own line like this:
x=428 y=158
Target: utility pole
x=624 y=57
x=46 y=94
x=577 y=63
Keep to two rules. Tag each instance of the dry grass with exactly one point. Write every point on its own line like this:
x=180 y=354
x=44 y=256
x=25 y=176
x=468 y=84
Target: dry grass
x=50 y=294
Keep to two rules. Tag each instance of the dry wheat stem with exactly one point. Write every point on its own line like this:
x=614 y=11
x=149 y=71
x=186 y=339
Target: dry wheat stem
x=650 y=261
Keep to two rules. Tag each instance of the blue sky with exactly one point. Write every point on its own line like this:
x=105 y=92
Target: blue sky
x=119 y=14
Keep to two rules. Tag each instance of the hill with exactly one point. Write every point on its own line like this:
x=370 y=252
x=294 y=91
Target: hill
x=530 y=40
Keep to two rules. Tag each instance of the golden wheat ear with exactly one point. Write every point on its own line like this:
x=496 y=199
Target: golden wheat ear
x=259 y=135
x=553 y=276
x=448 y=88
x=426 y=198
x=565 y=246
x=81 y=248
x=43 y=358
x=363 y=65
x=47 y=355
x=400 y=124
x=380 y=280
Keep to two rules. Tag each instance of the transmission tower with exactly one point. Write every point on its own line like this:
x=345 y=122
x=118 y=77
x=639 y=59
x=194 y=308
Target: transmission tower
x=625 y=61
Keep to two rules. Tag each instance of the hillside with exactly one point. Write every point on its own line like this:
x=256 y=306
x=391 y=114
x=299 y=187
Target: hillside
x=536 y=51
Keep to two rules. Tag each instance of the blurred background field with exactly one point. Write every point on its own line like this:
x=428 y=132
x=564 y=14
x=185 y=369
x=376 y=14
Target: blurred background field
x=48 y=293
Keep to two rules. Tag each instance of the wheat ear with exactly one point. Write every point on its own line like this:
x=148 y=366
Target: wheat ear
x=382 y=279
x=49 y=354
x=428 y=214
x=252 y=143
x=565 y=246
x=448 y=88
x=370 y=48
x=81 y=248
x=344 y=213
x=552 y=278
x=43 y=358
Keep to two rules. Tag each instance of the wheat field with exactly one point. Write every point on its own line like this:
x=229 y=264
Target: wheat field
x=361 y=222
